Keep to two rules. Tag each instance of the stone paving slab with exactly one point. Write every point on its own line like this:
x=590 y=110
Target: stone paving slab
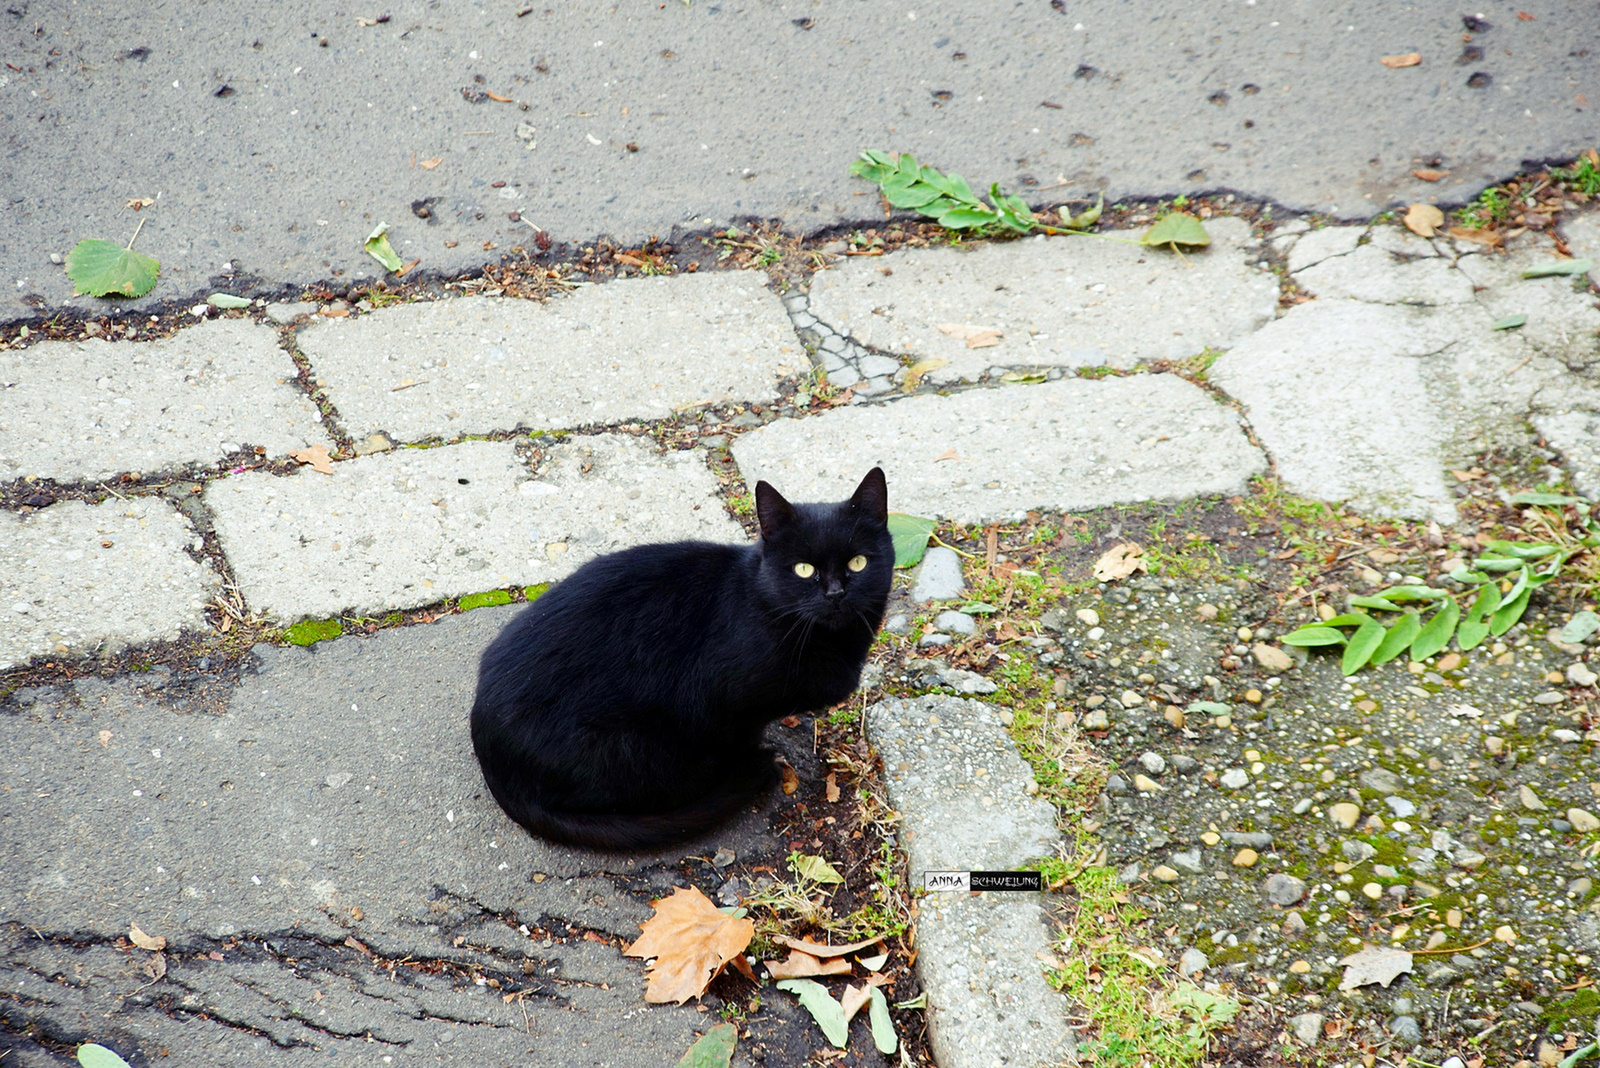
x=1062 y=302
x=77 y=578
x=637 y=348
x=334 y=881
x=954 y=774
x=88 y=409
x=415 y=526
x=989 y=453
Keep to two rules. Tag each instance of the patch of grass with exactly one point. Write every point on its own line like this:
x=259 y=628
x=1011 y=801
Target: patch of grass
x=744 y=504
x=533 y=593
x=1142 y=1018
x=483 y=600
x=1583 y=175
x=312 y=631
x=1492 y=208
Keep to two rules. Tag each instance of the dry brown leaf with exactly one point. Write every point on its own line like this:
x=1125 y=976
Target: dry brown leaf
x=315 y=455
x=1119 y=562
x=105 y=739
x=356 y=944
x=335 y=313
x=1424 y=219
x=138 y=203
x=1492 y=238
x=948 y=454
x=976 y=337
x=915 y=372
x=831 y=787
x=629 y=258
x=156 y=967
x=1374 y=964
x=742 y=966
x=816 y=949
x=800 y=965
x=1410 y=59
x=788 y=780
x=154 y=943
x=853 y=998
x=879 y=979
x=1429 y=174
x=430 y=164
x=691 y=941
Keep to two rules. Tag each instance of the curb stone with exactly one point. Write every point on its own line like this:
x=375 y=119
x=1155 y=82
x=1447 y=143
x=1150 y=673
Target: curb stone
x=635 y=348
x=412 y=527
x=89 y=409
x=80 y=578
x=989 y=453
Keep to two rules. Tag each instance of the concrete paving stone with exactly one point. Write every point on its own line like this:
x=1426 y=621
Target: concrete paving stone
x=1563 y=318
x=1381 y=275
x=1576 y=435
x=413 y=526
x=88 y=409
x=1065 y=301
x=951 y=768
x=1582 y=233
x=1322 y=244
x=639 y=348
x=327 y=819
x=79 y=578
x=1372 y=403
x=987 y=454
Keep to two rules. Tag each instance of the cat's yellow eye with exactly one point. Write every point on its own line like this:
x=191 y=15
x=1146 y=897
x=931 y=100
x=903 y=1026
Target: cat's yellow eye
x=857 y=563
x=804 y=570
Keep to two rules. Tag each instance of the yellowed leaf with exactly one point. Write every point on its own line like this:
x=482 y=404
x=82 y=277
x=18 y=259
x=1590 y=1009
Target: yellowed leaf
x=798 y=965
x=915 y=372
x=315 y=455
x=154 y=943
x=1424 y=219
x=853 y=999
x=817 y=949
x=1410 y=59
x=691 y=941
x=1119 y=562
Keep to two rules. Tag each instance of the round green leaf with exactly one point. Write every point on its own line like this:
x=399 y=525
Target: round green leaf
x=101 y=269
x=966 y=218
x=714 y=1049
x=910 y=534
x=1177 y=228
x=94 y=1055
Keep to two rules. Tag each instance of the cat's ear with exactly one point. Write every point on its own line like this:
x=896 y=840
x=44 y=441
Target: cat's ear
x=772 y=511
x=871 y=498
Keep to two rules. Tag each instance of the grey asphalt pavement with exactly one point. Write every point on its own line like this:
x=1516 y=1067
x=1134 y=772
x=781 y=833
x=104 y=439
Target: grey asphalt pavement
x=273 y=138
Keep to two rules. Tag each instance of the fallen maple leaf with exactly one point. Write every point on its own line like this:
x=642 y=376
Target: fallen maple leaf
x=1424 y=219
x=1374 y=965
x=798 y=965
x=691 y=941
x=315 y=455
x=1410 y=59
x=154 y=943
x=1119 y=562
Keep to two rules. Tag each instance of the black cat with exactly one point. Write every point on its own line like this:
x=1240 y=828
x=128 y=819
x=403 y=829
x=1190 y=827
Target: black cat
x=624 y=708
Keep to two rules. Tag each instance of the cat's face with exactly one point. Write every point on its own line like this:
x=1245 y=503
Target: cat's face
x=828 y=564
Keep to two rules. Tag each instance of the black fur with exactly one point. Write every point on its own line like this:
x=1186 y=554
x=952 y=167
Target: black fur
x=624 y=709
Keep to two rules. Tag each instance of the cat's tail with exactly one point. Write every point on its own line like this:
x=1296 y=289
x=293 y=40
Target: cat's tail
x=634 y=832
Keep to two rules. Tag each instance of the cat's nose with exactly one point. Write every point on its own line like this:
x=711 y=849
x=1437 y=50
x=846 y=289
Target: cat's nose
x=834 y=592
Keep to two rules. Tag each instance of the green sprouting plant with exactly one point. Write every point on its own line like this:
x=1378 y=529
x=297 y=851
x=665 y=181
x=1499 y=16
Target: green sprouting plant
x=1492 y=206
x=1496 y=588
x=948 y=199
x=1583 y=175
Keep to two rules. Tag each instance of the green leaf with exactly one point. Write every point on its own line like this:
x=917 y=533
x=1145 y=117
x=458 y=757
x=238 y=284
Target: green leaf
x=1580 y=626
x=914 y=197
x=814 y=868
x=961 y=190
x=1210 y=708
x=1531 y=497
x=1177 y=228
x=1505 y=617
x=714 y=1049
x=1363 y=643
x=979 y=608
x=227 y=300
x=101 y=268
x=1468 y=577
x=910 y=533
x=828 y=1013
x=907 y=164
x=1470 y=634
x=1084 y=220
x=966 y=218
x=1544 y=270
x=94 y=1055
x=1348 y=619
x=1496 y=563
x=1435 y=634
x=1304 y=637
x=1413 y=593
x=1374 y=602
x=1399 y=638
x=1537 y=551
x=1510 y=322
x=378 y=248
x=883 y=1035
x=1484 y=604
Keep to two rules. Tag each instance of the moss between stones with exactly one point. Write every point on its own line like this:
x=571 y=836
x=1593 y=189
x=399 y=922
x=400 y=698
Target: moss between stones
x=312 y=631
x=482 y=600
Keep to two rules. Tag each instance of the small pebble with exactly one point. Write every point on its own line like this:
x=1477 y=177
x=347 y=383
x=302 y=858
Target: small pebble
x=1153 y=763
x=1245 y=858
x=1529 y=799
x=1579 y=674
x=1299 y=967
x=1145 y=784
x=1583 y=820
x=1164 y=874
x=1235 y=779
x=1088 y=616
x=1344 y=814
